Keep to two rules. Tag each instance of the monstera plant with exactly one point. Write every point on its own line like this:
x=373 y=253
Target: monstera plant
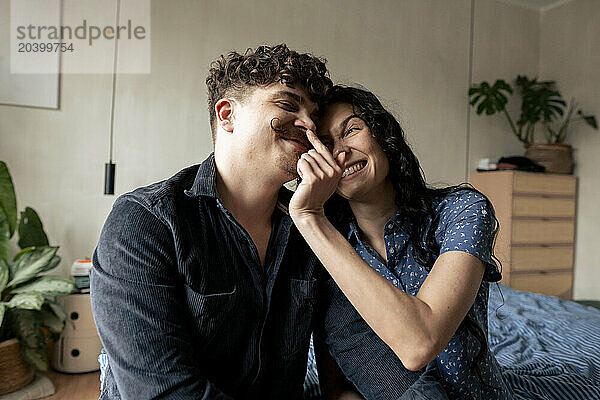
x=541 y=105
x=541 y=102
x=26 y=305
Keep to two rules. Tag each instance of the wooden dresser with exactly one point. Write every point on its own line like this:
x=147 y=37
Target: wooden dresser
x=536 y=240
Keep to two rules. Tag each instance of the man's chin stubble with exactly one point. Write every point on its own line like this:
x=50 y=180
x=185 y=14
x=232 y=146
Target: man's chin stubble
x=288 y=162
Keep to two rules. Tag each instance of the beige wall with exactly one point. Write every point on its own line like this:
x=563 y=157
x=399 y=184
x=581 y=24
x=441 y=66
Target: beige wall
x=413 y=53
x=570 y=54
x=505 y=44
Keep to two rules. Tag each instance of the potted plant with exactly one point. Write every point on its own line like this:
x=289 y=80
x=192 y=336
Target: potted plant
x=25 y=293
x=574 y=114
x=541 y=105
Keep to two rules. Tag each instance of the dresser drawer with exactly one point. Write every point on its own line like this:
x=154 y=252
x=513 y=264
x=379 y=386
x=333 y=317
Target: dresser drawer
x=564 y=185
x=550 y=284
x=541 y=258
x=538 y=231
x=531 y=206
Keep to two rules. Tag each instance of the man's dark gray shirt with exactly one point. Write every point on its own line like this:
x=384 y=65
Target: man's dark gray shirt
x=183 y=306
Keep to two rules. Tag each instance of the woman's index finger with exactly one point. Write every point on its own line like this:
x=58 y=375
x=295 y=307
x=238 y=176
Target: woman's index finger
x=316 y=142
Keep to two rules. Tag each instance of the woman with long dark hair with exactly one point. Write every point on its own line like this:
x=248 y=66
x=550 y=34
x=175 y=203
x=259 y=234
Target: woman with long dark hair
x=414 y=262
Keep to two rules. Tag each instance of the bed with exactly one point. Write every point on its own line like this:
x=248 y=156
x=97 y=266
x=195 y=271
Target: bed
x=550 y=348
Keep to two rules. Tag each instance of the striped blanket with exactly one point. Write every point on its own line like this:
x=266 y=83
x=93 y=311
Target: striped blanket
x=550 y=348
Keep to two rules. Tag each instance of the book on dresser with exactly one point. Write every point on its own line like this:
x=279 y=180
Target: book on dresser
x=536 y=237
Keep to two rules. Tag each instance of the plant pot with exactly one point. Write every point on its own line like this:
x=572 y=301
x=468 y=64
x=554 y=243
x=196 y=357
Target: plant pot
x=15 y=373
x=556 y=157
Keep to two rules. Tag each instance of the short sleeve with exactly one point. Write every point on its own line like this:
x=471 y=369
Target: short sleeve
x=467 y=223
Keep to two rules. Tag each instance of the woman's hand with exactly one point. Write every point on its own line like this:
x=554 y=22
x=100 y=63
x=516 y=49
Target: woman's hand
x=320 y=174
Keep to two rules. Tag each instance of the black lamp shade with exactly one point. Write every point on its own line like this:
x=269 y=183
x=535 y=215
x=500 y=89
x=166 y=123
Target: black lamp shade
x=109 y=178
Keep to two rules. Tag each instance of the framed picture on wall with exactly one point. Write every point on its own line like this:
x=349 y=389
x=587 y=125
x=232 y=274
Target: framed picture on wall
x=22 y=84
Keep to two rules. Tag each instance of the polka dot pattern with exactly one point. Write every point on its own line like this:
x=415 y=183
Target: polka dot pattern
x=465 y=224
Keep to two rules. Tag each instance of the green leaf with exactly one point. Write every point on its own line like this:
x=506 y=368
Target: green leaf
x=23 y=251
x=475 y=99
x=4 y=274
x=56 y=309
x=37 y=357
x=50 y=321
x=2 y=310
x=4 y=237
x=591 y=121
x=26 y=301
x=480 y=108
x=52 y=264
x=8 y=200
x=31 y=230
x=26 y=326
x=48 y=285
x=32 y=263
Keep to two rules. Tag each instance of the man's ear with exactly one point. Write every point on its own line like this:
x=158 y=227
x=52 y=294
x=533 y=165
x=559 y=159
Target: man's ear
x=224 y=112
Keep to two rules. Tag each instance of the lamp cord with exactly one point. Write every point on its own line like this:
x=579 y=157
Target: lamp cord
x=114 y=81
x=470 y=79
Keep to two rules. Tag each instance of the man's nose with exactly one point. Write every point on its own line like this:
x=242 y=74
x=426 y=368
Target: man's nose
x=306 y=122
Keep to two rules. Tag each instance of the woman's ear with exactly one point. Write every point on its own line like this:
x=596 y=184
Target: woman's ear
x=224 y=112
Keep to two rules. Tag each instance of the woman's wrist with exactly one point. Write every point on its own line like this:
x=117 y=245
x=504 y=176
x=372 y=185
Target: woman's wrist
x=307 y=219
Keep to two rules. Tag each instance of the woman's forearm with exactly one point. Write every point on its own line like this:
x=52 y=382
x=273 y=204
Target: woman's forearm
x=399 y=319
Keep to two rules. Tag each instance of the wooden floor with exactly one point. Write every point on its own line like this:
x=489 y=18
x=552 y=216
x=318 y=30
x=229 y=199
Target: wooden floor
x=74 y=386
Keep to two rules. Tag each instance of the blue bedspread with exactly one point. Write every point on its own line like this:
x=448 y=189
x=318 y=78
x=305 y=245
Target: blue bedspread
x=549 y=347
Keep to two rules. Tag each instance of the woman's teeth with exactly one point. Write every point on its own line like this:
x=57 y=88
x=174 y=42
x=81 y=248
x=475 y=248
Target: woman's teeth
x=356 y=167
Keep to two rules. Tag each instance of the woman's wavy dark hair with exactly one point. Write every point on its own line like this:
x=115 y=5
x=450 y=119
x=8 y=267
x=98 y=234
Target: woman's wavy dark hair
x=235 y=73
x=413 y=196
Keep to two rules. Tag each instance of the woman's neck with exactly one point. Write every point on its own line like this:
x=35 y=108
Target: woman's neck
x=373 y=213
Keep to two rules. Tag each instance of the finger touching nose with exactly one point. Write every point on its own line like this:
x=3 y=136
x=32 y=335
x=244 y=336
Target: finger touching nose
x=340 y=147
x=307 y=123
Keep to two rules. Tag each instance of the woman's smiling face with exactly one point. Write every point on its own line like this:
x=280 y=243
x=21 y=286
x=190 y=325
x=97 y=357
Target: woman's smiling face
x=366 y=166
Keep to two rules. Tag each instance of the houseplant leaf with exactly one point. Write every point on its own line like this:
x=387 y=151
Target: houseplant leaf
x=32 y=263
x=50 y=321
x=52 y=264
x=37 y=357
x=56 y=309
x=26 y=301
x=47 y=286
x=4 y=237
x=31 y=230
x=23 y=251
x=8 y=200
x=2 y=310
x=26 y=326
x=4 y=273
x=591 y=121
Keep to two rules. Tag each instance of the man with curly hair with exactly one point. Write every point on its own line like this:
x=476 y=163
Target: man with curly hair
x=202 y=288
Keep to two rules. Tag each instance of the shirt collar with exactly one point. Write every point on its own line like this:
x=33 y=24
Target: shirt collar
x=395 y=224
x=205 y=181
x=205 y=185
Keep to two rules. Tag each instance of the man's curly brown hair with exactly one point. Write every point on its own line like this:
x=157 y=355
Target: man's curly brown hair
x=237 y=74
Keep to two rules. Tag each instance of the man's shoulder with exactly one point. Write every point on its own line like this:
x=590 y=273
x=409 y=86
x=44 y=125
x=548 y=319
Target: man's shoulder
x=167 y=190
